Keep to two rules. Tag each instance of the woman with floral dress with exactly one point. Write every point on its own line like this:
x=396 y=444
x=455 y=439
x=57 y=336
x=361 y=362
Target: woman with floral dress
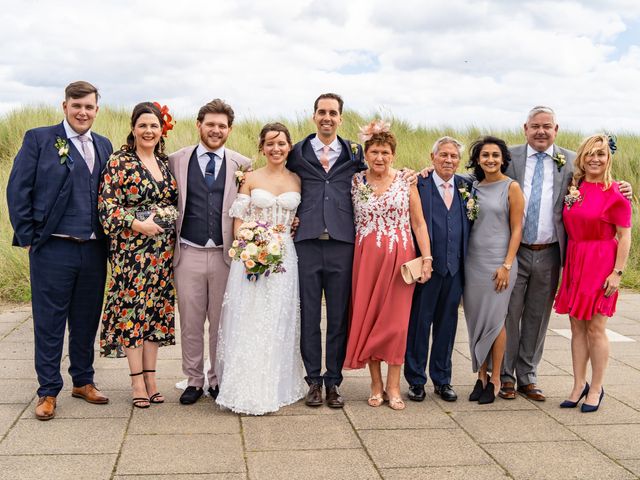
x=139 y=313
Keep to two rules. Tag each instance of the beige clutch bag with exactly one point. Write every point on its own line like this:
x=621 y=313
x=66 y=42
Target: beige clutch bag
x=412 y=270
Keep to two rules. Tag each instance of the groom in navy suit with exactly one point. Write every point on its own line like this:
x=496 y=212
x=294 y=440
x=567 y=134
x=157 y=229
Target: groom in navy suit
x=52 y=196
x=435 y=303
x=324 y=243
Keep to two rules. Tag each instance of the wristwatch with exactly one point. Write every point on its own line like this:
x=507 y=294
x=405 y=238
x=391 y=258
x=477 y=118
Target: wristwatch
x=619 y=272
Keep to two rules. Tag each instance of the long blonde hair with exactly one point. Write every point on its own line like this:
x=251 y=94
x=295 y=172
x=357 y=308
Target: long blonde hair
x=591 y=145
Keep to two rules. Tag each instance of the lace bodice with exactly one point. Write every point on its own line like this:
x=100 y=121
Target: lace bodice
x=386 y=214
x=265 y=206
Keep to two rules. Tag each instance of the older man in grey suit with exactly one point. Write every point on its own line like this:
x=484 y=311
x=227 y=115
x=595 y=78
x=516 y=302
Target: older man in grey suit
x=544 y=171
x=206 y=190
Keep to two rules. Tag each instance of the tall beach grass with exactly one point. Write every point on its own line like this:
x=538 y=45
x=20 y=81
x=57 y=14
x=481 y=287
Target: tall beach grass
x=414 y=145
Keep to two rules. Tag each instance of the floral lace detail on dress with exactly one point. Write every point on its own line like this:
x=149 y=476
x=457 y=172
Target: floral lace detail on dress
x=386 y=214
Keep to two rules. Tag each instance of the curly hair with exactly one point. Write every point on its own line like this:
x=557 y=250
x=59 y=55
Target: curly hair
x=382 y=138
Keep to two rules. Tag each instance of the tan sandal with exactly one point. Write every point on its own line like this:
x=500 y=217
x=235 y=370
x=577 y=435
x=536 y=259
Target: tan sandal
x=396 y=403
x=375 y=400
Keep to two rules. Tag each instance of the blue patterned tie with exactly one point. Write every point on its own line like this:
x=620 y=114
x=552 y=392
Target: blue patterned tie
x=210 y=171
x=533 y=210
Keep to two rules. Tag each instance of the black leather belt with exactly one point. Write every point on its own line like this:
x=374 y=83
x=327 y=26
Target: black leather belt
x=538 y=246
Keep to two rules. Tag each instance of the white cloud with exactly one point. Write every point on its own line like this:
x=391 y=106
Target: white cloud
x=456 y=63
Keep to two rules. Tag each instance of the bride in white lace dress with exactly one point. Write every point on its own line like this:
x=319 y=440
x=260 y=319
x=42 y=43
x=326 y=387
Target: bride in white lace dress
x=258 y=359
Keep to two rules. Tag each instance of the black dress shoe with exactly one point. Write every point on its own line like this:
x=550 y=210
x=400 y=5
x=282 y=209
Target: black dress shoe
x=214 y=391
x=191 y=395
x=314 y=395
x=446 y=392
x=334 y=399
x=417 y=393
x=488 y=395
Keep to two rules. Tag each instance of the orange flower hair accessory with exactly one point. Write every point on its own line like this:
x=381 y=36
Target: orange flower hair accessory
x=376 y=126
x=166 y=117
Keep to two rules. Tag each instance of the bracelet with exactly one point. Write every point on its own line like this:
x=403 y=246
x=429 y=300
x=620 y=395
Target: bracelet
x=428 y=258
x=507 y=266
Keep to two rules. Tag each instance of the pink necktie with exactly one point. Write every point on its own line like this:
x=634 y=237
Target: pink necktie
x=87 y=151
x=324 y=158
x=448 y=197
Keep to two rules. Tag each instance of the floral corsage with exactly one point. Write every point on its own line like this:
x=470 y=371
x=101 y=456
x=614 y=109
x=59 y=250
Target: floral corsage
x=471 y=202
x=364 y=191
x=241 y=174
x=560 y=160
x=574 y=196
x=63 y=151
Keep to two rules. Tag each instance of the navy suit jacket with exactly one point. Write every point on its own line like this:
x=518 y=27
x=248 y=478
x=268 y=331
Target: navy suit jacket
x=39 y=185
x=426 y=187
x=326 y=196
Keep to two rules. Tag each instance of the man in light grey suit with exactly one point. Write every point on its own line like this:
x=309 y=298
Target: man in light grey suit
x=205 y=174
x=544 y=171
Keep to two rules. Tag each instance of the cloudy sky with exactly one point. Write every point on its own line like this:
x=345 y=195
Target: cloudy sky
x=434 y=63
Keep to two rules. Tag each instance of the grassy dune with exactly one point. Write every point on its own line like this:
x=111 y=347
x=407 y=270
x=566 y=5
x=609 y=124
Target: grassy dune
x=413 y=147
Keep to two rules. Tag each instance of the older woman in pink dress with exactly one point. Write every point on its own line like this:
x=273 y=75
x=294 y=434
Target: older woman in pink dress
x=598 y=222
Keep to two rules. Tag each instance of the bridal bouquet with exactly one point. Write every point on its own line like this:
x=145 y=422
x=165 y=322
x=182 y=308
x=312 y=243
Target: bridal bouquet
x=259 y=245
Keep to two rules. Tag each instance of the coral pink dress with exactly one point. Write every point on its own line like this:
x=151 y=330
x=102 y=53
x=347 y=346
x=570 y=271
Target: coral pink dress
x=591 y=250
x=380 y=300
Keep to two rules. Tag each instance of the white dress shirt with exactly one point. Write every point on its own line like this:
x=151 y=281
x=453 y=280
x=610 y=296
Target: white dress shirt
x=73 y=136
x=335 y=148
x=546 y=230
x=203 y=159
x=439 y=182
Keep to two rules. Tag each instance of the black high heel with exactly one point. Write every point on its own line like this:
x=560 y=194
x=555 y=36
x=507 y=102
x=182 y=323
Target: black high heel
x=570 y=404
x=586 y=408
x=155 y=398
x=488 y=394
x=139 y=402
x=478 y=388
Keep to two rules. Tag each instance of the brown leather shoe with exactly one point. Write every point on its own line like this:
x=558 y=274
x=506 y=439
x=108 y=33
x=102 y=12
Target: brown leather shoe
x=314 y=395
x=532 y=392
x=334 y=399
x=89 y=393
x=507 y=391
x=46 y=408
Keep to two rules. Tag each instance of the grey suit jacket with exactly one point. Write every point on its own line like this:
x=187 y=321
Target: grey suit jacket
x=561 y=179
x=179 y=166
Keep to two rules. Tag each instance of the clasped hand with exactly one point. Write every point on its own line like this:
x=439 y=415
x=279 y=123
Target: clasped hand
x=501 y=278
x=148 y=227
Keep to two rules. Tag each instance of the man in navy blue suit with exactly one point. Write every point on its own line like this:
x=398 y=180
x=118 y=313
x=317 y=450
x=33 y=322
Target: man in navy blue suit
x=53 y=207
x=324 y=240
x=435 y=303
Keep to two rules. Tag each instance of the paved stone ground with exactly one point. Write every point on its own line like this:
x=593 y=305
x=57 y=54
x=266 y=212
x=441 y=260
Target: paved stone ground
x=510 y=439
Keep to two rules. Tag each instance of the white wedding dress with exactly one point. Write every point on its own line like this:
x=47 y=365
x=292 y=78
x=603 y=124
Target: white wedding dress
x=258 y=361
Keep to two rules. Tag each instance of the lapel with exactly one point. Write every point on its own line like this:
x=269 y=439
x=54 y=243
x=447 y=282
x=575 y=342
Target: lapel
x=426 y=186
x=101 y=153
x=310 y=161
x=557 y=177
x=230 y=190
x=182 y=173
x=343 y=161
x=520 y=163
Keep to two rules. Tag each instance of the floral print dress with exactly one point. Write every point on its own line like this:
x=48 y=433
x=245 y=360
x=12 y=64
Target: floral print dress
x=141 y=296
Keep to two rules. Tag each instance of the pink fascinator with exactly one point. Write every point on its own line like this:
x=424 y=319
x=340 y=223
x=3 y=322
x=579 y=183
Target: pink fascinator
x=376 y=126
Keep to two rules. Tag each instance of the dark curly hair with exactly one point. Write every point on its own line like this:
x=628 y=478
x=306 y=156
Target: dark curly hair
x=476 y=148
x=139 y=110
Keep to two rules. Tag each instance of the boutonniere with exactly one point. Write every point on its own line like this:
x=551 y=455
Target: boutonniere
x=354 y=150
x=364 y=191
x=574 y=196
x=559 y=160
x=241 y=174
x=63 y=151
x=470 y=202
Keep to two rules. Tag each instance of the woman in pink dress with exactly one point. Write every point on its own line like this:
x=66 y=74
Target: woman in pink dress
x=598 y=223
x=386 y=209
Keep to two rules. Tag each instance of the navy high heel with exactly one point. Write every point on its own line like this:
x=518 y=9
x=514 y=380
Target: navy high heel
x=586 y=408
x=570 y=404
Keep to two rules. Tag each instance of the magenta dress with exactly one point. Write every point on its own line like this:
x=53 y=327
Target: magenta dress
x=380 y=300
x=591 y=250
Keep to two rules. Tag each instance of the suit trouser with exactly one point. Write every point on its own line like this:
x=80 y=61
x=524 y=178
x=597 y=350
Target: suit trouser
x=529 y=311
x=435 y=306
x=201 y=279
x=67 y=286
x=324 y=266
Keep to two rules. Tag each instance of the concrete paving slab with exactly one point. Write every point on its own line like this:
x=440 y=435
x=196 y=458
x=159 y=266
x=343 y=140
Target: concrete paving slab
x=610 y=413
x=6 y=328
x=17 y=391
x=16 y=351
x=437 y=447
x=616 y=441
x=195 y=476
x=174 y=418
x=521 y=426
x=16 y=316
x=303 y=432
x=57 y=436
x=631 y=465
x=299 y=408
x=56 y=467
x=17 y=369
x=181 y=454
x=8 y=415
x=418 y=415
x=464 y=405
x=628 y=394
x=311 y=465
x=470 y=472
x=556 y=460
